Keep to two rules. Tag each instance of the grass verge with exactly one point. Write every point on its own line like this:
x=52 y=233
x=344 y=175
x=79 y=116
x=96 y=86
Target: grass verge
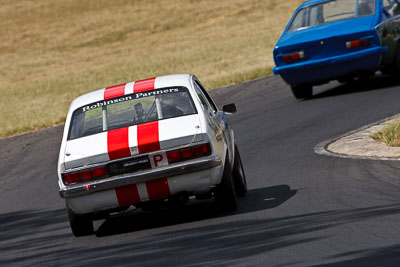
x=389 y=134
x=53 y=51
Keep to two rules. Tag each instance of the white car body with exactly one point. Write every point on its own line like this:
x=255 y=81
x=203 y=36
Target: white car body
x=133 y=145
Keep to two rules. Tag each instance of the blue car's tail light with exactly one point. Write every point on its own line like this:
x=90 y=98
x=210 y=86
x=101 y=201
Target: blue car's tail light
x=357 y=43
x=293 y=57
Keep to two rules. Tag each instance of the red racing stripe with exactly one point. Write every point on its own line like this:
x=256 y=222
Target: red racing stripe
x=118 y=143
x=144 y=85
x=147 y=137
x=158 y=189
x=127 y=195
x=114 y=91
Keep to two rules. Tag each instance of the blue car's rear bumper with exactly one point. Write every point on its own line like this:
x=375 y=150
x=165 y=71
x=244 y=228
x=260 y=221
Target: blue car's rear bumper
x=322 y=70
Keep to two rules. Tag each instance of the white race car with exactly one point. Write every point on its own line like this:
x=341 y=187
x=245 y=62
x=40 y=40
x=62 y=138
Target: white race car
x=159 y=140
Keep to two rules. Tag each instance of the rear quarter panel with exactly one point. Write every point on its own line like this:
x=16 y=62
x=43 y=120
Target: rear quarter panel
x=212 y=131
x=389 y=34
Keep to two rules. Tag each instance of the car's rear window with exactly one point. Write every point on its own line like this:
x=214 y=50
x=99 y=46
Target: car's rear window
x=131 y=110
x=331 y=11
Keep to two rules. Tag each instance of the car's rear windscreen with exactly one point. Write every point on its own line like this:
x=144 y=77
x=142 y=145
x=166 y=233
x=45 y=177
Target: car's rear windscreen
x=131 y=110
x=331 y=11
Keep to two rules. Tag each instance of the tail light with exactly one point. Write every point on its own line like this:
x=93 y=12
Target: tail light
x=357 y=43
x=174 y=156
x=293 y=57
x=86 y=174
x=188 y=153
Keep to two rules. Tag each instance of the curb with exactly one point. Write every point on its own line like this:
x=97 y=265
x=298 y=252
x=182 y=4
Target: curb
x=322 y=147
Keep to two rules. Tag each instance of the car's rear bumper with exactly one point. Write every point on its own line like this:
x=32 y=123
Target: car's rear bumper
x=140 y=177
x=318 y=70
x=196 y=176
x=199 y=182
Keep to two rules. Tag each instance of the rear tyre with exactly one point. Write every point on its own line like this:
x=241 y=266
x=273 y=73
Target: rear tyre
x=365 y=77
x=239 y=177
x=388 y=70
x=225 y=193
x=396 y=72
x=81 y=225
x=346 y=79
x=302 y=91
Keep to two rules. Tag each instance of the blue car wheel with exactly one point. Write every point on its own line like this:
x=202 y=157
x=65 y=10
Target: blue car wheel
x=397 y=60
x=302 y=91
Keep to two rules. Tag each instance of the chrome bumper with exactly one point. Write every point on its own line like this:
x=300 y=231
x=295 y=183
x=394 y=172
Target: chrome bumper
x=140 y=177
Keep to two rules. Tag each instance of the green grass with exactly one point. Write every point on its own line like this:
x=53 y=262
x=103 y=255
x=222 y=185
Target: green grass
x=53 y=51
x=389 y=134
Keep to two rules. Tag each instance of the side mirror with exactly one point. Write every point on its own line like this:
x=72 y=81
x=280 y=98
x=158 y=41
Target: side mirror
x=230 y=108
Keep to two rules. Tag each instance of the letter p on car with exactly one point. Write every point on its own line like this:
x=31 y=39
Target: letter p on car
x=158 y=160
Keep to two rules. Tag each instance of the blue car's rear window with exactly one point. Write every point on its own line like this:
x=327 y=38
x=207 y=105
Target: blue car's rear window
x=331 y=11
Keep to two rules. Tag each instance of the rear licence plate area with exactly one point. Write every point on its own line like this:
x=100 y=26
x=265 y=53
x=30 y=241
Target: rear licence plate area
x=129 y=165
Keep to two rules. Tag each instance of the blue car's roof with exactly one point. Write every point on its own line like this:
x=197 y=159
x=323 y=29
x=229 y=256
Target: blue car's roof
x=311 y=2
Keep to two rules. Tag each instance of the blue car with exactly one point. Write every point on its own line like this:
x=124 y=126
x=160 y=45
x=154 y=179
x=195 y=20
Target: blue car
x=338 y=40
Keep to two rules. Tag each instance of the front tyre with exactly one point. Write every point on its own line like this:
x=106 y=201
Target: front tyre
x=302 y=91
x=81 y=225
x=239 y=177
x=225 y=193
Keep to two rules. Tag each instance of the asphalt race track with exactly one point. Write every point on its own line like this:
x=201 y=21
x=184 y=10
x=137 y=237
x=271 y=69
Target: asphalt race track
x=302 y=209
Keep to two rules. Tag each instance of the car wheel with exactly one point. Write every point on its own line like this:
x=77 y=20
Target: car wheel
x=346 y=79
x=397 y=61
x=239 y=177
x=302 y=91
x=81 y=225
x=225 y=193
x=365 y=77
